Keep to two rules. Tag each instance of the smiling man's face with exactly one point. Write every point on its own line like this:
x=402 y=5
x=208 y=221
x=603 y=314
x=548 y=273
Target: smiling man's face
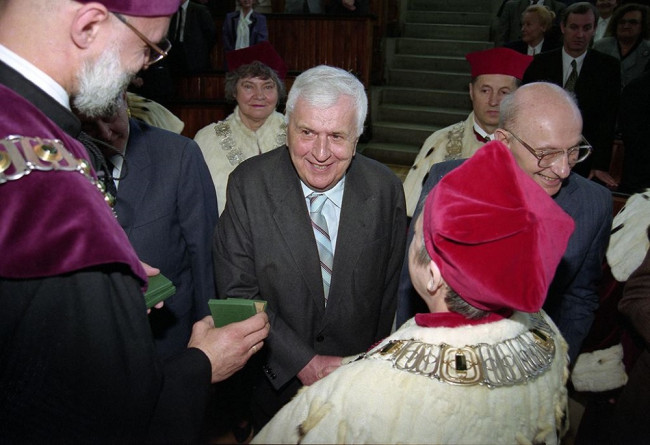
x=322 y=142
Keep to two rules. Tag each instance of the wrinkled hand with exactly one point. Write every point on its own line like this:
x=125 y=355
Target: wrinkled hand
x=348 y=4
x=151 y=271
x=229 y=347
x=318 y=367
x=603 y=176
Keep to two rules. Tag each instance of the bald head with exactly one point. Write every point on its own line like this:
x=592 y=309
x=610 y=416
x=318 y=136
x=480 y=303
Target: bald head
x=534 y=100
x=541 y=118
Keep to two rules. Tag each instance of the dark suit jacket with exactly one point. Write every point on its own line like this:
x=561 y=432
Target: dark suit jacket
x=265 y=248
x=572 y=298
x=167 y=206
x=192 y=55
x=258 y=30
x=634 y=121
x=598 y=93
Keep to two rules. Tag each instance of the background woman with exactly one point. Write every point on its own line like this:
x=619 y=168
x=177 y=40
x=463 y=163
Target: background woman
x=536 y=22
x=253 y=128
x=626 y=39
x=243 y=28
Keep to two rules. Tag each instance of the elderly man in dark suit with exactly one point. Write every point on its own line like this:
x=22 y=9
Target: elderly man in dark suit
x=167 y=206
x=541 y=125
x=267 y=246
x=595 y=80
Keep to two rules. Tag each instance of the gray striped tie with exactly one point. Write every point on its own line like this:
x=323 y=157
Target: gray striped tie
x=318 y=223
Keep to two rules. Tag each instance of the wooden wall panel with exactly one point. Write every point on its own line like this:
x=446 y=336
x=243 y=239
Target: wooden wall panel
x=303 y=41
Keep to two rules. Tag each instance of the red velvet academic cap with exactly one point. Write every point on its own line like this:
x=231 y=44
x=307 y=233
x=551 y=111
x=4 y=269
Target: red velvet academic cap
x=262 y=52
x=499 y=61
x=140 y=8
x=495 y=234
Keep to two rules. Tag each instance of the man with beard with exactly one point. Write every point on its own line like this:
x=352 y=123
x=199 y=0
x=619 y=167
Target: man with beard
x=77 y=361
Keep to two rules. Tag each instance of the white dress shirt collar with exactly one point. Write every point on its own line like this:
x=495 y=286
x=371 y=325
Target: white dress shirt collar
x=35 y=76
x=566 y=64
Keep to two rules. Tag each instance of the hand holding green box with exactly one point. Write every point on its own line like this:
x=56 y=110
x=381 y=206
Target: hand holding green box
x=232 y=310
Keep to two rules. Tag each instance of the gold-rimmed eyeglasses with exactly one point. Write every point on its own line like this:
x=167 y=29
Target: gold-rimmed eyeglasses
x=546 y=157
x=157 y=52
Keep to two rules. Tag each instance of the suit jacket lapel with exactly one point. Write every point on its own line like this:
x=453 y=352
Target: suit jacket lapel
x=352 y=227
x=134 y=186
x=292 y=220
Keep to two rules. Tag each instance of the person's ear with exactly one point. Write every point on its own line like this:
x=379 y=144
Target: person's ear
x=434 y=279
x=501 y=135
x=86 y=23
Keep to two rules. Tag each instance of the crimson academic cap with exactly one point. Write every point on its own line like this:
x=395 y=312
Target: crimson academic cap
x=495 y=234
x=499 y=61
x=140 y=8
x=262 y=52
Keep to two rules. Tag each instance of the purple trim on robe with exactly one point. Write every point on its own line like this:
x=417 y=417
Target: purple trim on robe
x=54 y=222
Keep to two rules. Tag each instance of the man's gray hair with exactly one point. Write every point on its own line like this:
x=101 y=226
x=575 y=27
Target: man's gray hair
x=455 y=303
x=323 y=85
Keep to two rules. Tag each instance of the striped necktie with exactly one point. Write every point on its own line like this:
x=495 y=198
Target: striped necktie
x=318 y=223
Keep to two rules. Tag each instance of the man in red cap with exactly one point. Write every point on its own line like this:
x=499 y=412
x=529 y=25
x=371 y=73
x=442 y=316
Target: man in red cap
x=485 y=364
x=541 y=125
x=77 y=360
x=495 y=73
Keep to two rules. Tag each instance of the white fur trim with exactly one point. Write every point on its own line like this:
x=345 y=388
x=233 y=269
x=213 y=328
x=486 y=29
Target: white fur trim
x=600 y=370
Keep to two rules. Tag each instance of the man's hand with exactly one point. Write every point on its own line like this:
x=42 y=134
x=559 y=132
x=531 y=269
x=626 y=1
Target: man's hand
x=229 y=347
x=348 y=4
x=604 y=177
x=318 y=367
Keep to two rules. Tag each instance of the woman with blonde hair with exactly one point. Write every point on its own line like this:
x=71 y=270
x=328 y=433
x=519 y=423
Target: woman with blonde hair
x=536 y=23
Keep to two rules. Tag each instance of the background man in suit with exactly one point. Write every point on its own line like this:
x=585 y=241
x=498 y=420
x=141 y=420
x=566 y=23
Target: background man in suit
x=495 y=73
x=545 y=118
x=193 y=35
x=167 y=206
x=509 y=27
x=267 y=248
x=605 y=10
x=595 y=82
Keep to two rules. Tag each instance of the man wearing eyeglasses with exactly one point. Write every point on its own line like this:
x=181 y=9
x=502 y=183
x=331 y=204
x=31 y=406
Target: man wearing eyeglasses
x=542 y=126
x=77 y=359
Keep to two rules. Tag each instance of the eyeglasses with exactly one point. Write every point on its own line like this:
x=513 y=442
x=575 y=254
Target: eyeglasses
x=546 y=158
x=160 y=51
x=633 y=22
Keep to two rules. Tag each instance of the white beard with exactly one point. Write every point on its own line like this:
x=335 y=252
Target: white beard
x=100 y=83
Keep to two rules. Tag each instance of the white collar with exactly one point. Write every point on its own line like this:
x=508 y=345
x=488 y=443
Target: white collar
x=335 y=194
x=35 y=76
x=567 y=58
x=482 y=132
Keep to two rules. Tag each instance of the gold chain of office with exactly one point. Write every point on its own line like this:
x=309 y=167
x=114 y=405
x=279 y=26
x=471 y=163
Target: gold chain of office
x=514 y=361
